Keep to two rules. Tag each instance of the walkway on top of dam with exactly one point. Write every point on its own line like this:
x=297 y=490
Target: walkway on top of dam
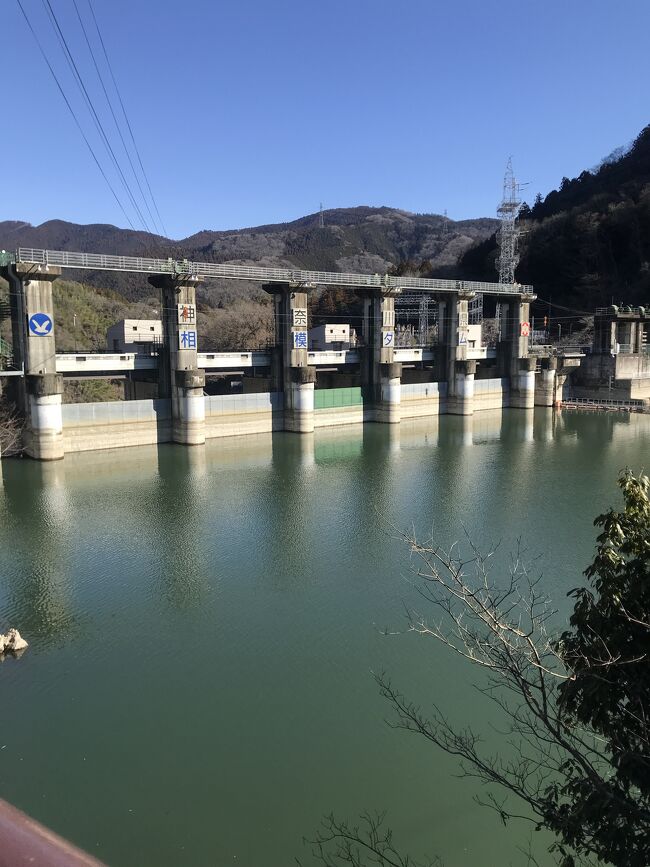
x=184 y=268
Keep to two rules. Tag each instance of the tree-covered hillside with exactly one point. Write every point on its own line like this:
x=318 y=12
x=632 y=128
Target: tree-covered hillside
x=588 y=242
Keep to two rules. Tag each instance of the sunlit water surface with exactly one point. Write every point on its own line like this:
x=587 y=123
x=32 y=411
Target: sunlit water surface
x=204 y=624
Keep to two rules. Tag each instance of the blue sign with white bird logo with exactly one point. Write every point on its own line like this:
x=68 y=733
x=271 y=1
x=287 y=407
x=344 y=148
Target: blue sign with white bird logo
x=40 y=324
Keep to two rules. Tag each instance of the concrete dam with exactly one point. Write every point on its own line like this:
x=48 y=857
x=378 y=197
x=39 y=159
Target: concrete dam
x=290 y=387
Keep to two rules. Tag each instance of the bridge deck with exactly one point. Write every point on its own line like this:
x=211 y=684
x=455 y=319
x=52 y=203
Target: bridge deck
x=109 y=362
x=140 y=265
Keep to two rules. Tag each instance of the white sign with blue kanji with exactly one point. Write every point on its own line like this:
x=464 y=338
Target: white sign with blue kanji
x=462 y=339
x=388 y=338
x=40 y=324
x=187 y=338
x=300 y=340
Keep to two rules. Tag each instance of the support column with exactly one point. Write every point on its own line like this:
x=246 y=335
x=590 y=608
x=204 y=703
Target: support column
x=545 y=383
x=453 y=326
x=388 y=407
x=638 y=346
x=381 y=374
x=513 y=350
x=39 y=396
x=180 y=378
x=460 y=394
x=293 y=374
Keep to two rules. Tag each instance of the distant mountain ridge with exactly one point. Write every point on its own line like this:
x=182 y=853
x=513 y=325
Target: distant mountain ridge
x=365 y=239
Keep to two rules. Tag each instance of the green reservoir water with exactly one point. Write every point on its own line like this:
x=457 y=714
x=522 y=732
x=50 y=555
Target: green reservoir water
x=204 y=624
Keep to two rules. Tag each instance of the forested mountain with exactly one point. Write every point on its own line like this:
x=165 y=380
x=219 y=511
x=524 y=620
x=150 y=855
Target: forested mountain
x=233 y=313
x=585 y=244
x=352 y=239
x=588 y=242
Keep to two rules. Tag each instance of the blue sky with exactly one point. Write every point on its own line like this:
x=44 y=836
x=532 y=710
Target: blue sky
x=249 y=112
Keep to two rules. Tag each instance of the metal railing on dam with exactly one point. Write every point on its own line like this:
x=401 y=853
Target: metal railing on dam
x=140 y=265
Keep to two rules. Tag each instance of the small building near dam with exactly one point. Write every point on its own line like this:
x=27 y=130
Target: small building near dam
x=618 y=365
x=134 y=335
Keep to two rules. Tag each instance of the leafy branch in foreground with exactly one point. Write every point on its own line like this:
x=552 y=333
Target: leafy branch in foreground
x=576 y=705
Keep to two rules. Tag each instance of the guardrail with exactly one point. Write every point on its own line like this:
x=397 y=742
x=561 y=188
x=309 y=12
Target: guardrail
x=551 y=349
x=617 y=309
x=629 y=349
x=632 y=404
x=574 y=349
x=138 y=264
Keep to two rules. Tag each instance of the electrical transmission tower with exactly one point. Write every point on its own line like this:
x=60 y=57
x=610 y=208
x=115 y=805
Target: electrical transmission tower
x=321 y=217
x=508 y=234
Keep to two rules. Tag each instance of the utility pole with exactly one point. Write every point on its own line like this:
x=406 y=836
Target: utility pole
x=321 y=217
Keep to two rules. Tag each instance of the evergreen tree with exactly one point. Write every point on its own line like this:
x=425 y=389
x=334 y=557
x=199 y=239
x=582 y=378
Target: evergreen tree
x=608 y=651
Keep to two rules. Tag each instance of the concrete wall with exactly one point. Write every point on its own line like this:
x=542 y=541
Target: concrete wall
x=633 y=366
x=339 y=406
x=117 y=424
x=341 y=415
x=235 y=414
x=88 y=426
x=420 y=399
x=491 y=393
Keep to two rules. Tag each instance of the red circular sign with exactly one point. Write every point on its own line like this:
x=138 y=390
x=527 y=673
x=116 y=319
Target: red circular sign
x=525 y=329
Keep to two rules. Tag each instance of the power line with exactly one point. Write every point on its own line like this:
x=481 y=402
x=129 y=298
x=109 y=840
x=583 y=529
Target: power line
x=110 y=106
x=126 y=118
x=562 y=307
x=98 y=124
x=74 y=116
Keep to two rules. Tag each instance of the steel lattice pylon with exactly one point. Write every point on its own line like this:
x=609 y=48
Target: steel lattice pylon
x=508 y=234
